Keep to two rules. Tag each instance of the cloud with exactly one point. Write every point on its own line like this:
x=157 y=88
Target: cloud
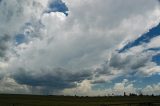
x=152 y=89
x=62 y=51
x=82 y=89
x=9 y=85
x=128 y=61
x=4 y=45
x=86 y=88
x=127 y=65
x=124 y=86
x=16 y=14
x=145 y=38
x=56 y=79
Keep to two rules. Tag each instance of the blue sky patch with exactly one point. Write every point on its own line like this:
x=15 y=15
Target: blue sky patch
x=156 y=59
x=137 y=81
x=144 y=81
x=145 y=38
x=58 y=6
x=20 y=38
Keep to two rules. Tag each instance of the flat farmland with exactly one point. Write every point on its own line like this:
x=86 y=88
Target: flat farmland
x=39 y=100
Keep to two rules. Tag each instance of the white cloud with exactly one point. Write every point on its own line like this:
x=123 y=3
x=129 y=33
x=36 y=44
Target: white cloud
x=152 y=89
x=9 y=85
x=14 y=14
x=154 y=42
x=82 y=88
x=124 y=86
x=85 y=88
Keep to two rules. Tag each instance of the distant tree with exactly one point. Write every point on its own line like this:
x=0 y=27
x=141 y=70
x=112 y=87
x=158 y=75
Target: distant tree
x=140 y=93
x=132 y=94
x=112 y=94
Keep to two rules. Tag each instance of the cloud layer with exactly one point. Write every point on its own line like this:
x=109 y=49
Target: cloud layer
x=57 y=48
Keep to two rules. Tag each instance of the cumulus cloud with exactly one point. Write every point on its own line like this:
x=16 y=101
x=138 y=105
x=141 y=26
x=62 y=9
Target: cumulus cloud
x=69 y=52
x=86 y=88
x=152 y=89
x=9 y=85
x=50 y=80
x=14 y=14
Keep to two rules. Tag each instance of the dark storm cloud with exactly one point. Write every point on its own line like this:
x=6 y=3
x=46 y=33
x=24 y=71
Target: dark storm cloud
x=4 y=41
x=132 y=62
x=118 y=62
x=122 y=64
x=57 y=79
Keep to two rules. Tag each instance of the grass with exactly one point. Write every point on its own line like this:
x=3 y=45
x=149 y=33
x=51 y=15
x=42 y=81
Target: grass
x=37 y=100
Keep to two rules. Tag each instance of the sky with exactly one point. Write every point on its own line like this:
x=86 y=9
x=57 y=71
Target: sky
x=80 y=47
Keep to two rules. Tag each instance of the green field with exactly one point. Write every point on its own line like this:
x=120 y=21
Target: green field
x=35 y=100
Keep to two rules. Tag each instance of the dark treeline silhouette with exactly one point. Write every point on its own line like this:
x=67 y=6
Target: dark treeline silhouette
x=141 y=94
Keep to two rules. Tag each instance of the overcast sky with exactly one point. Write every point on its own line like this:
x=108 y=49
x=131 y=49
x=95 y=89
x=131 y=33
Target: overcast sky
x=80 y=47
